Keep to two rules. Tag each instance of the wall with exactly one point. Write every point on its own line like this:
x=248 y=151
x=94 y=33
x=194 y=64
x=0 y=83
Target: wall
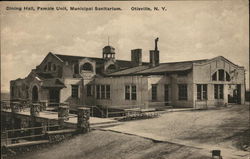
x=117 y=85
x=51 y=58
x=65 y=93
x=203 y=75
x=175 y=80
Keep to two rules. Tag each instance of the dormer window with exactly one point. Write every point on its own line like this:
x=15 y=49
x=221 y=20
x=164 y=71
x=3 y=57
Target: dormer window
x=111 y=68
x=87 y=67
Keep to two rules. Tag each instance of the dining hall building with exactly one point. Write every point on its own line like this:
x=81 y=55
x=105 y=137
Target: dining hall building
x=110 y=82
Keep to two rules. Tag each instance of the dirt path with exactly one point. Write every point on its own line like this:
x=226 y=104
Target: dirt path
x=112 y=145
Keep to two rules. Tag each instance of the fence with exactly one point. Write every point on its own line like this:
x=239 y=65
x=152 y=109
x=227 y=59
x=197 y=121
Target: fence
x=13 y=135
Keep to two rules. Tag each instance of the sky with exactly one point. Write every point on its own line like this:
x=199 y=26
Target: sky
x=188 y=30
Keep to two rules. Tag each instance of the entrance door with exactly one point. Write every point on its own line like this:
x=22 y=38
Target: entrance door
x=54 y=97
x=234 y=94
x=34 y=94
x=166 y=94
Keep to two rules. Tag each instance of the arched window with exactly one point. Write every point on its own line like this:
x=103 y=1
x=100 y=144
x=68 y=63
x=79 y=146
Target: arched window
x=54 y=67
x=35 y=94
x=45 y=68
x=222 y=75
x=87 y=67
x=111 y=67
x=214 y=77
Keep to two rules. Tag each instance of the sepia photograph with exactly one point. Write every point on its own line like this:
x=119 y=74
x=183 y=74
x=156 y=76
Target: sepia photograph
x=125 y=79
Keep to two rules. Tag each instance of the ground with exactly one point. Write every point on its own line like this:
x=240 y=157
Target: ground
x=223 y=128
x=111 y=145
x=185 y=134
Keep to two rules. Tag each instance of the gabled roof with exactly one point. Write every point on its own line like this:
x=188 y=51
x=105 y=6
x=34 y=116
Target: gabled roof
x=99 y=61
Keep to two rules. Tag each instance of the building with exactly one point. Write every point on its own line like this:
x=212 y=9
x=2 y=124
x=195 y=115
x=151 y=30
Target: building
x=110 y=82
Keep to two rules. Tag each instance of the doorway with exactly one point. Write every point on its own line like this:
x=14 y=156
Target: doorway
x=35 y=94
x=166 y=94
x=54 y=97
x=234 y=93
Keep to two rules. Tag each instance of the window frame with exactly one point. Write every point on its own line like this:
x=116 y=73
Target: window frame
x=218 y=91
x=201 y=91
x=130 y=92
x=133 y=92
x=75 y=91
x=89 y=90
x=183 y=92
x=107 y=91
x=154 y=92
x=103 y=91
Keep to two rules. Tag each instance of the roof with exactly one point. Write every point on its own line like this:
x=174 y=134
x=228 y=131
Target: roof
x=129 y=71
x=161 y=68
x=99 y=61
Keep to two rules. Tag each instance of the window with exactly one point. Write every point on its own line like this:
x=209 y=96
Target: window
x=130 y=92
x=103 y=91
x=107 y=91
x=49 y=66
x=111 y=67
x=74 y=91
x=98 y=91
x=45 y=68
x=214 y=77
x=154 y=92
x=221 y=75
x=89 y=90
x=127 y=92
x=133 y=93
x=87 y=67
x=182 y=91
x=54 y=67
x=218 y=91
x=202 y=91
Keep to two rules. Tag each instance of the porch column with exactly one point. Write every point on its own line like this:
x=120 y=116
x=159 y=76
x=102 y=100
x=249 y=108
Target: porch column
x=63 y=114
x=83 y=115
x=34 y=109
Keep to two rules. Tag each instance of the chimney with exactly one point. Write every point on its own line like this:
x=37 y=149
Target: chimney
x=154 y=55
x=136 y=56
